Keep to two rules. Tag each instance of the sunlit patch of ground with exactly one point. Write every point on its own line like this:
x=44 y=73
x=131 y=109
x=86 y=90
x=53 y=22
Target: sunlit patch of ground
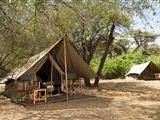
x=115 y=100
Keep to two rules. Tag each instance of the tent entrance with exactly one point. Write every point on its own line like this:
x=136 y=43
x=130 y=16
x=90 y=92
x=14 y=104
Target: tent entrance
x=44 y=75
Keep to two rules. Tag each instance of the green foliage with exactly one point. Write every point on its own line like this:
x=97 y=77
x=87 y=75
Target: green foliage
x=118 y=66
x=150 y=37
x=143 y=38
x=94 y=63
x=30 y=26
x=155 y=58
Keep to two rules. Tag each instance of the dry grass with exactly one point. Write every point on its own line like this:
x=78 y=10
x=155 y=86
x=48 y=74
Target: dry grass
x=115 y=100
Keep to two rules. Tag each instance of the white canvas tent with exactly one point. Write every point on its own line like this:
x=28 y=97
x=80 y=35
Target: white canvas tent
x=143 y=71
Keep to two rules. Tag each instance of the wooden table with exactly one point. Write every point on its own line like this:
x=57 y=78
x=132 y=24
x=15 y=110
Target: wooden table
x=38 y=95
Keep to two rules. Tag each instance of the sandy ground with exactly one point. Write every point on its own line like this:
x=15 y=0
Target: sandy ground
x=115 y=100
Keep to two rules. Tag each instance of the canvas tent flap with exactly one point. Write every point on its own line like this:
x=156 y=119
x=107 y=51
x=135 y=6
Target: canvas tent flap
x=79 y=65
x=55 y=64
x=75 y=64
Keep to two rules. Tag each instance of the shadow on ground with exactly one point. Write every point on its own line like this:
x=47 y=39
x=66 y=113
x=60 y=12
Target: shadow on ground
x=113 y=101
x=83 y=107
x=80 y=102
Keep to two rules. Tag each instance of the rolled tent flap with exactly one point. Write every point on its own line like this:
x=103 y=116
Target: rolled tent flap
x=56 y=65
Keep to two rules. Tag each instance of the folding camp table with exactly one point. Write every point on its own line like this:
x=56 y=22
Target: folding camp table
x=38 y=96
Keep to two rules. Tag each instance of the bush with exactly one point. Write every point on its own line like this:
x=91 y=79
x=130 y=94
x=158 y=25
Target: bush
x=155 y=59
x=117 y=67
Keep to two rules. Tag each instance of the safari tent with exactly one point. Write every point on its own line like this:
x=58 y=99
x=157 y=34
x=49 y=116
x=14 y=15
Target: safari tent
x=60 y=61
x=145 y=71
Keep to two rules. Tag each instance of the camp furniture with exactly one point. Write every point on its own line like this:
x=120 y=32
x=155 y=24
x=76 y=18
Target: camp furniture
x=49 y=89
x=39 y=95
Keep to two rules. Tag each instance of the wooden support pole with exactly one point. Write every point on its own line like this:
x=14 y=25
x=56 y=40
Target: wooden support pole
x=65 y=66
x=62 y=83
x=51 y=73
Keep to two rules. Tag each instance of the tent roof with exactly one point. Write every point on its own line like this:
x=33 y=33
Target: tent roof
x=18 y=72
x=139 y=68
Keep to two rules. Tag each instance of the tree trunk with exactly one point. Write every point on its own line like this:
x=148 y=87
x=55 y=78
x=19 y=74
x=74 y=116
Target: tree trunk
x=107 y=48
x=89 y=57
x=87 y=82
x=96 y=82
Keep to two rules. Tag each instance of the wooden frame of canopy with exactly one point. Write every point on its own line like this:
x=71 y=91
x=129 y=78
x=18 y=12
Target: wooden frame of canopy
x=53 y=63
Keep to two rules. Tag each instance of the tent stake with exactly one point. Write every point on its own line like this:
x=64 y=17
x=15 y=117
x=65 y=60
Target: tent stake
x=65 y=66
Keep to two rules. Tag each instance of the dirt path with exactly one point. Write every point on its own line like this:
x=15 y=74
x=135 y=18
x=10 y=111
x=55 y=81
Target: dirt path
x=116 y=100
